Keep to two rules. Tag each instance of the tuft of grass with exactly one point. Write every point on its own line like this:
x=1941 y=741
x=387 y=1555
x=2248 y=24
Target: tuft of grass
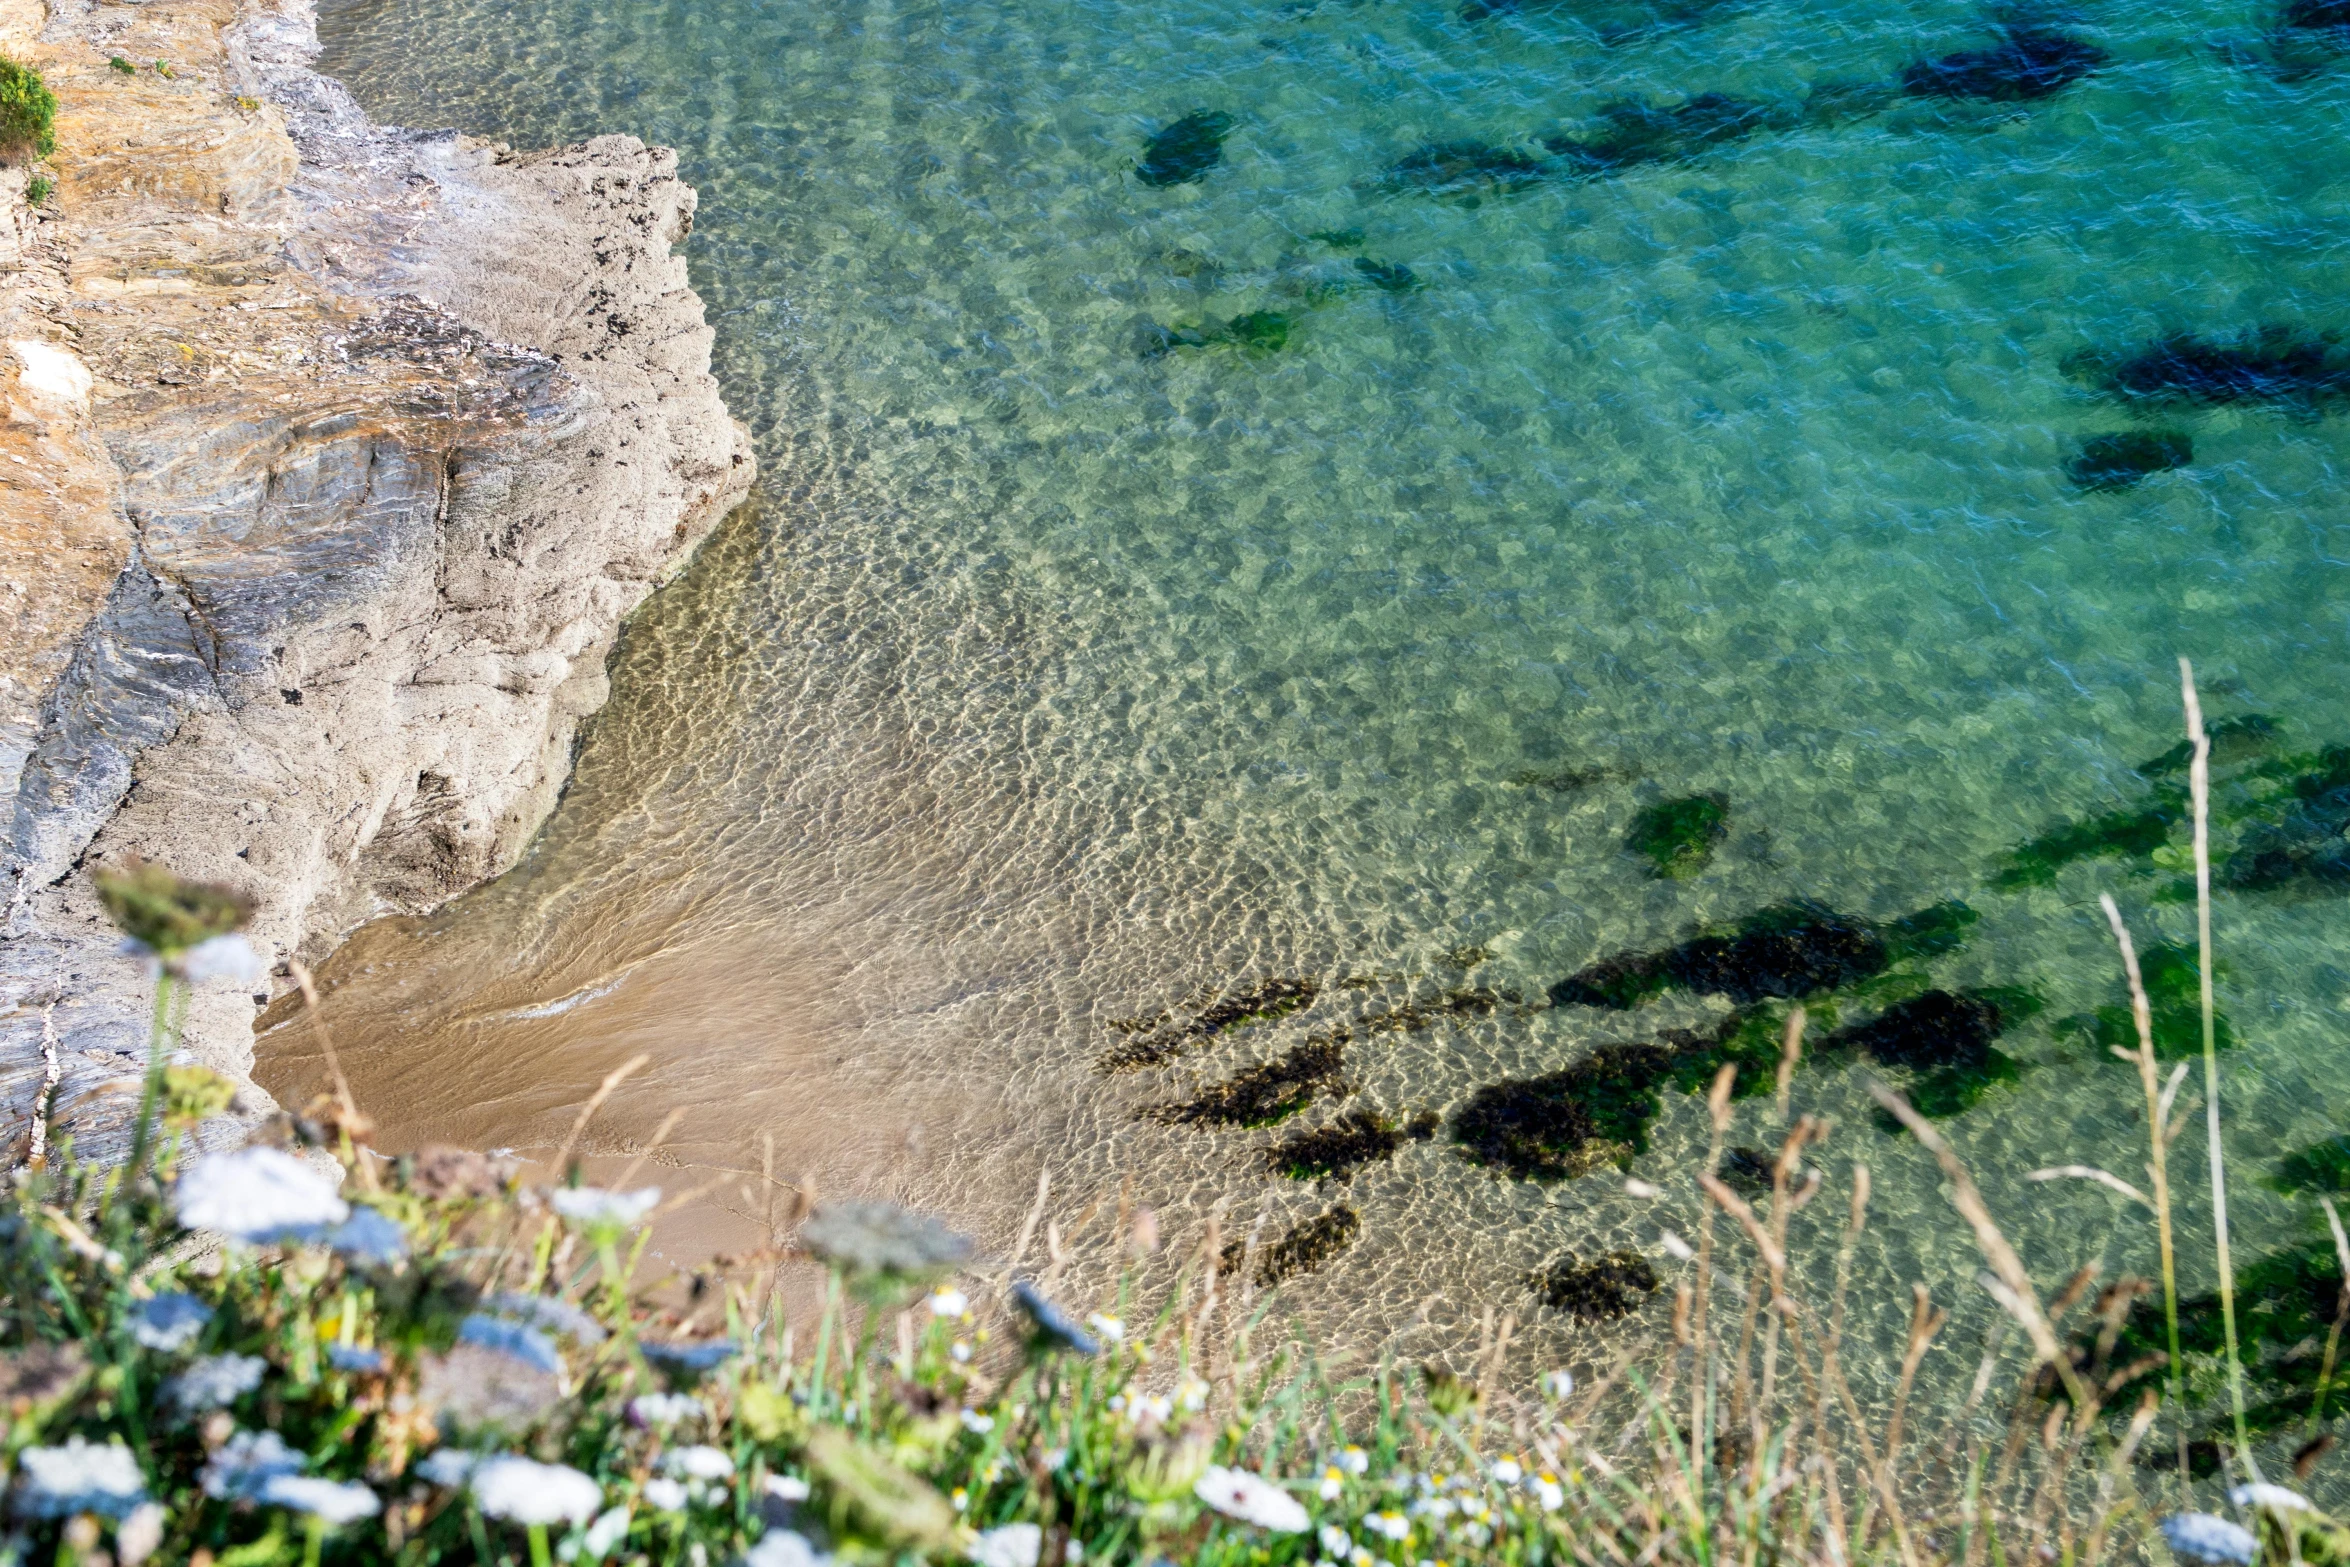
x=37 y=189
x=28 y=110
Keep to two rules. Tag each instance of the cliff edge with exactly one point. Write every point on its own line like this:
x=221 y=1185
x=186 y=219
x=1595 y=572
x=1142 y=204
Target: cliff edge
x=333 y=456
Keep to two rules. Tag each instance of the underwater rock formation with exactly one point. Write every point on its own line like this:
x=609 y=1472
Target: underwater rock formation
x=2116 y=834
x=1678 y=837
x=1305 y=1247
x=2119 y=462
x=2287 y=366
x=1185 y=150
x=2027 y=63
x=1338 y=1149
x=1945 y=1037
x=1787 y=951
x=1389 y=277
x=1264 y=1094
x=2311 y=844
x=1600 y=1290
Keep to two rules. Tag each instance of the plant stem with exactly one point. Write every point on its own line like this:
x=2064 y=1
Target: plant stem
x=158 y=1037
x=538 y=1546
x=2199 y=781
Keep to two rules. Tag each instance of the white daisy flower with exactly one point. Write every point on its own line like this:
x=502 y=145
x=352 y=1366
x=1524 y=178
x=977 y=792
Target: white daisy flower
x=1192 y=1394
x=140 y=1535
x=58 y=1482
x=960 y=1351
x=787 y=1488
x=1252 y=1499
x=222 y=957
x=1012 y=1545
x=949 y=1303
x=1550 y=1493
x=332 y=1502
x=1333 y=1483
x=1335 y=1541
x=1389 y=1526
x=595 y=1207
x=214 y=1382
x=977 y=1423
x=667 y=1496
x=1354 y=1460
x=1111 y=1328
x=1506 y=1471
x=169 y=1322
x=524 y=1491
x=257 y=1195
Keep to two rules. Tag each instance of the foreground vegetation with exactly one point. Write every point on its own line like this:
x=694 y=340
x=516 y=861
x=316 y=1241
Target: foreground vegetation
x=300 y=1350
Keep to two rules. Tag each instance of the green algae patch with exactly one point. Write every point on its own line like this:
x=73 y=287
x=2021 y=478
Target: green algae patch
x=2322 y=1167
x=2132 y=834
x=1600 y=1290
x=2174 y=995
x=1308 y=1246
x=1678 y=837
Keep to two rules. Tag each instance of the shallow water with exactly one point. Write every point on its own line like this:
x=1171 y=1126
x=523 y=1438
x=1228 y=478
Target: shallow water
x=1052 y=683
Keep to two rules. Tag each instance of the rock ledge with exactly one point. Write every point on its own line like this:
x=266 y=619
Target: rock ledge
x=333 y=457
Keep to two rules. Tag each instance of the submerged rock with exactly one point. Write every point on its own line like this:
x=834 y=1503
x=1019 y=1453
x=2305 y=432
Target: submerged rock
x=1264 y=1094
x=2118 y=462
x=1678 y=837
x=2232 y=740
x=2273 y=364
x=1389 y=277
x=2310 y=845
x=1306 y=1247
x=1747 y=1171
x=1937 y=1029
x=1185 y=150
x=2319 y=16
x=2027 y=63
x=1337 y=1150
x=1600 y=1290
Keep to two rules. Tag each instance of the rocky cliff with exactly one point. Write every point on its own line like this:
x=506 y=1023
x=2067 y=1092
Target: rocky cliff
x=333 y=457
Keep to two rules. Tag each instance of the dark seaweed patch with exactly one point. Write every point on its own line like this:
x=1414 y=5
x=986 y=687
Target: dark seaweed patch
x=1795 y=949
x=1596 y=1112
x=1338 y=239
x=2320 y=1167
x=2117 y=462
x=1307 y=1246
x=1335 y=1151
x=1561 y=780
x=1257 y=332
x=1457 y=168
x=1600 y=1290
x=2117 y=834
x=2232 y=740
x=2027 y=63
x=1390 y=277
x=1262 y=1095
x=1154 y=1041
x=1945 y=1038
x=1678 y=837
x=2319 y=16
x=1786 y=951
x=1185 y=150
x=1632 y=132
x=2274 y=364
x=1615 y=21
x=2311 y=844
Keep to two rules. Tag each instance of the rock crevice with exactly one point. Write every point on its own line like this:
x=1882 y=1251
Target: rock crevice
x=377 y=436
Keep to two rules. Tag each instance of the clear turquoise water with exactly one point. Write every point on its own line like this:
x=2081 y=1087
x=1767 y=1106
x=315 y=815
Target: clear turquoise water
x=1050 y=684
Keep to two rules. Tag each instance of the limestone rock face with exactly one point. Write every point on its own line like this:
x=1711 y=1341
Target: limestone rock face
x=333 y=456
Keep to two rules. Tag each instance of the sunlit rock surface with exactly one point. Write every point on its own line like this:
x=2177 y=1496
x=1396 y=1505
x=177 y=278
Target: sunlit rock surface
x=332 y=458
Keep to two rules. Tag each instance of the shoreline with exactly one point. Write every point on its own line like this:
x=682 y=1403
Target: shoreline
x=340 y=452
